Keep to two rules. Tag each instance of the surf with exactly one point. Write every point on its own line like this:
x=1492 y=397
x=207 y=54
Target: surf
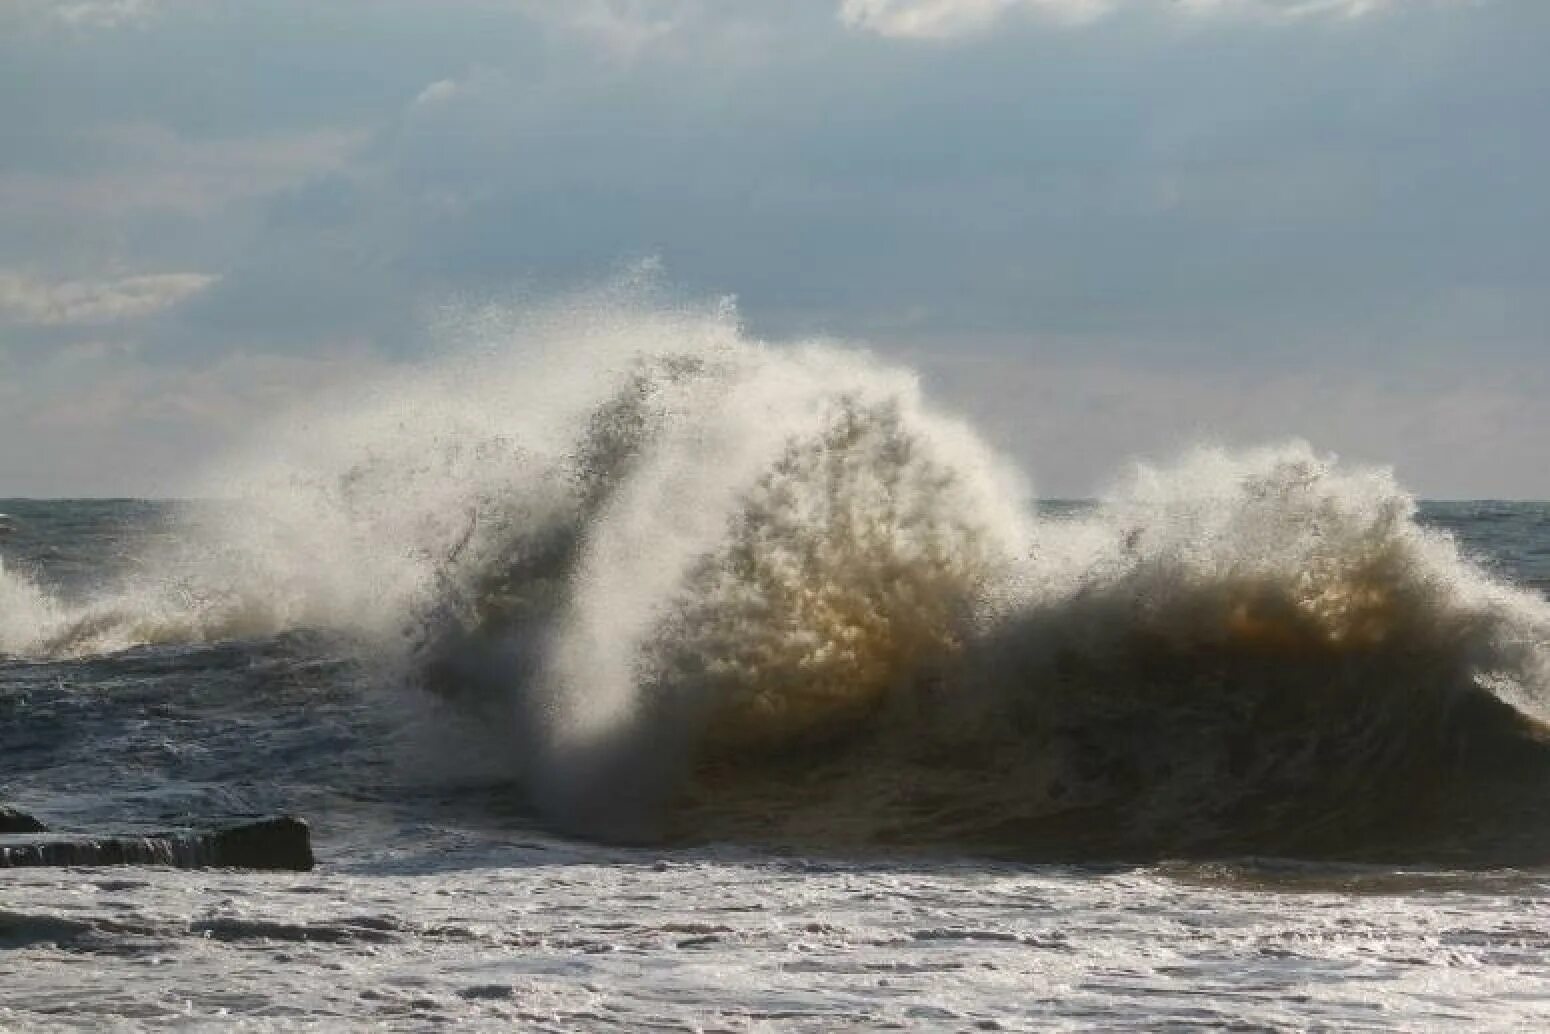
x=689 y=585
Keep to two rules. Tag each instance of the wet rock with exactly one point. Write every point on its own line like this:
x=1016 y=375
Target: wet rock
x=13 y=821
x=278 y=843
x=281 y=843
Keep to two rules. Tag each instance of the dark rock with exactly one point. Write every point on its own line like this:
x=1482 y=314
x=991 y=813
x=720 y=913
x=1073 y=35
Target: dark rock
x=278 y=843
x=486 y=992
x=13 y=821
x=275 y=843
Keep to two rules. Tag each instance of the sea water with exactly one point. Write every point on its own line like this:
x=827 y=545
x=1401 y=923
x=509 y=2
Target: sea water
x=634 y=674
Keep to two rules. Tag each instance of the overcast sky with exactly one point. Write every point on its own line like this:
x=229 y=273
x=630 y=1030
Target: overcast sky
x=1103 y=228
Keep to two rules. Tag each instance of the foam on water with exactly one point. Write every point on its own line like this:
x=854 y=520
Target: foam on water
x=694 y=579
x=26 y=613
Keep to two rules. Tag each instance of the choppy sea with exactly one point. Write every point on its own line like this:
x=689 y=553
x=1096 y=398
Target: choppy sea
x=747 y=693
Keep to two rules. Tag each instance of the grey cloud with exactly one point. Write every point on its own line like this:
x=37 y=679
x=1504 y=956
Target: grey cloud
x=99 y=418
x=146 y=166
x=81 y=14
x=949 y=19
x=1231 y=187
x=25 y=299
x=1072 y=423
x=1249 y=189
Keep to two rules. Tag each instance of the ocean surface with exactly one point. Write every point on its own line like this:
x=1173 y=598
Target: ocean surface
x=672 y=681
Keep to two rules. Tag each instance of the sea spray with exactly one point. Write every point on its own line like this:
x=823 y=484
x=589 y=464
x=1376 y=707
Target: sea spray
x=1258 y=649
x=697 y=585
x=799 y=537
x=26 y=612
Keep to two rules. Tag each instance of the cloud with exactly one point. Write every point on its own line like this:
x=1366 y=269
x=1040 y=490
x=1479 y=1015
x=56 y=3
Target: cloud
x=438 y=92
x=1070 y=422
x=948 y=19
x=90 y=14
x=943 y=19
x=479 y=83
x=73 y=303
x=100 y=418
x=104 y=13
x=703 y=32
x=1340 y=184
x=144 y=165
x=1285 y=8
x=624 y=28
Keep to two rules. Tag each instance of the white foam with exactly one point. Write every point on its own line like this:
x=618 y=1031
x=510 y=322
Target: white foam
x=754 y=542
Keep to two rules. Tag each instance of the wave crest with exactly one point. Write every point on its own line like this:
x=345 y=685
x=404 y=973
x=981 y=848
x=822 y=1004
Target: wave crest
x=705 y=586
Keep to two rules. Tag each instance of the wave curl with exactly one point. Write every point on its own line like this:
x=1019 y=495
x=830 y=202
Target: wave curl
x=705 y=587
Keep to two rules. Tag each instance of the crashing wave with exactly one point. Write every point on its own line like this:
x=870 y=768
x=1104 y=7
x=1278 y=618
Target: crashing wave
x=699 y=586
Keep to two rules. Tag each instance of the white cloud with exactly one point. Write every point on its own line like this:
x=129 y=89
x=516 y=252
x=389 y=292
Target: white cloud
x=30 y=300
x=708 y=32
x=88 y=14
x=946 y=19
x=479 y=82
x=1284 y=9
x=104 y=13
x=943 y=19
x=438 y=92
x=626 y=27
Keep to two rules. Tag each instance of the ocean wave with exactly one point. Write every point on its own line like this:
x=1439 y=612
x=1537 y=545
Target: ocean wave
x=698 y=586
x=1254 y=652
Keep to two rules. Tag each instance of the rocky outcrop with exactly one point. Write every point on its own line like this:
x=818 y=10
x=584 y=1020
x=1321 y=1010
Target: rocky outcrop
x=13 y=821
x=277 y=843
x=281 y=843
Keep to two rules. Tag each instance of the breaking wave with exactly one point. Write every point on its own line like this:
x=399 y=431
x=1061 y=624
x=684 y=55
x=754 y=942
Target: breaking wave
x=701 y=586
